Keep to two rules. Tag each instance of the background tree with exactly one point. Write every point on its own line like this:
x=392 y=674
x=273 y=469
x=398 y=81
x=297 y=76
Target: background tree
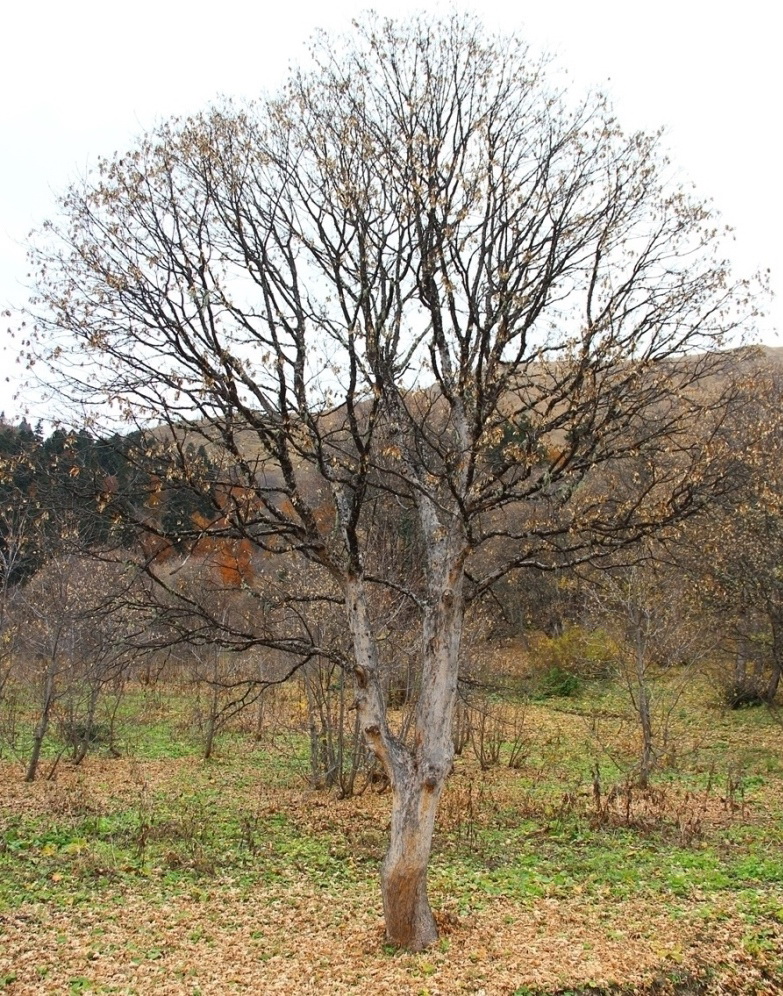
x=660 y=643
x=419 y=277
x=71 y=646
x=733 y=556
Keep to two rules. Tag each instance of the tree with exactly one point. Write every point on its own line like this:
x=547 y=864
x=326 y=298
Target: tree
x=421 y=279
x=72 y=646
x=733 y=556
x=660 y=644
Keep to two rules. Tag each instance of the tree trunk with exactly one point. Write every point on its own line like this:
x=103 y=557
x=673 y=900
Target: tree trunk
x=38 y=738
x=209 y=736
x=83 y=745
x=645 y=718
x=417 y=786
x=5 y=674
x=777 y=660
x=35 y=754
x=42 y=725
x=774 y=682
x=417 y=773
x=409 y=920
x=641 y=625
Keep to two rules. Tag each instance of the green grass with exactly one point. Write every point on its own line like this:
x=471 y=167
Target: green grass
x=149 y=725
x=179 y=840
x=196 y=831
x=599 y=864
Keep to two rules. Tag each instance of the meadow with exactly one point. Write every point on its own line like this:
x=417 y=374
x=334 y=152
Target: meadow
x=146 y=869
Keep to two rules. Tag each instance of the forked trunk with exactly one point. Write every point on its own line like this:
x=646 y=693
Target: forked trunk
x=417 y=772
x=419 y=782
x=409 y=920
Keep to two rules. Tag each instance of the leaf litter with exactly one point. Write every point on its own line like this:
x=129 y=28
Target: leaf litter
x=300 y=913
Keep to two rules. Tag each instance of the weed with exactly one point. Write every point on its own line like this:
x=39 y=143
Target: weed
x=80 y=984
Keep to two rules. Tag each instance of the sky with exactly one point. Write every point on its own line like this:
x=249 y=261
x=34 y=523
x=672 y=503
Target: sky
x=84 y=79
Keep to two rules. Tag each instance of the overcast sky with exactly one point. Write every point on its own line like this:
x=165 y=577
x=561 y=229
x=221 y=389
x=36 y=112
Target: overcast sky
x=83 y=78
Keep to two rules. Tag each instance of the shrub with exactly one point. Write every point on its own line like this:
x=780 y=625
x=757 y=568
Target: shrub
x=556 y=682
x=588 y=654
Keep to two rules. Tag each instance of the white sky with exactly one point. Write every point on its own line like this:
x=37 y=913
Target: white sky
x=82 y=78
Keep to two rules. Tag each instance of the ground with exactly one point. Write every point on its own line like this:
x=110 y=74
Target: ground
x=157 y=872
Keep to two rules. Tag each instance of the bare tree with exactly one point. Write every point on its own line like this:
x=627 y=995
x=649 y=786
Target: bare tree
x=661 y=641
x=16 y=525
x=71 y=646
x=733 y=556
x=225 y=684
x=421 y=279
x=19 y=533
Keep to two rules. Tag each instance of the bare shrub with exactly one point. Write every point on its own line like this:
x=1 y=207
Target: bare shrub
x=493 y=729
